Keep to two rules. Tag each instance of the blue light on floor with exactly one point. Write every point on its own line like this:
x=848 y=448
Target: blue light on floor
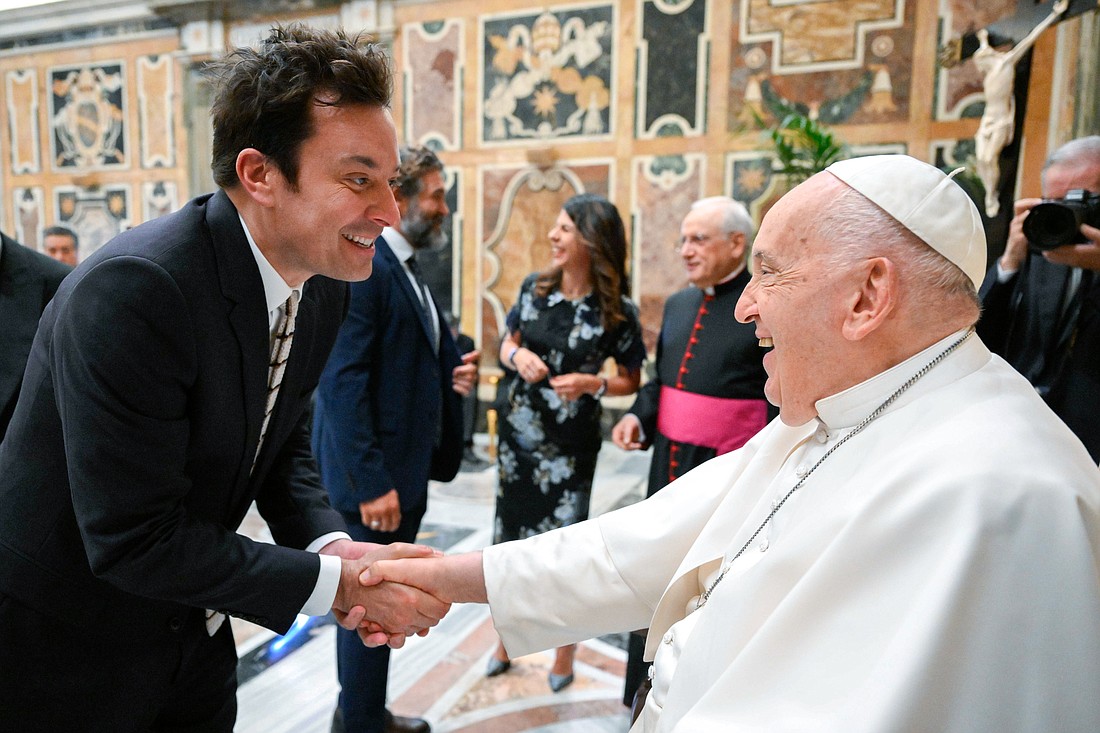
x=292 y=639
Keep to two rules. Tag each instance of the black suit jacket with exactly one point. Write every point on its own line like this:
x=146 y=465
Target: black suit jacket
x=384 y=391
x=27 y=282
x=1021 y=321
x=125 y=472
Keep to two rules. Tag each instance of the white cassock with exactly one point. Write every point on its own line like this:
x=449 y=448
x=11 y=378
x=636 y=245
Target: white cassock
x=938 y=572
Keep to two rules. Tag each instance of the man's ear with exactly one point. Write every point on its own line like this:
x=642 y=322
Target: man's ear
x=874 y=299
x=256 y=173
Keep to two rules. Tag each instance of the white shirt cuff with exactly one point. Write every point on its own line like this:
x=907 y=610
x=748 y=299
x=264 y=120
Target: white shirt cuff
x=328 y=579
x=1004 y=275
x=641 y=430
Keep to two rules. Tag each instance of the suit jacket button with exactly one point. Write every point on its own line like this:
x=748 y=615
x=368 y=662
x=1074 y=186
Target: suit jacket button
x=175 y=624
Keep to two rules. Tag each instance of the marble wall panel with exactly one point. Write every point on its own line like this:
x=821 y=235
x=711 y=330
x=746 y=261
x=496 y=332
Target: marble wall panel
x=158 y=198
x=155 y=116
x=96 y=214
x=547 y=76
x=434 y=65
x=673 y=49
x=21 y=95
x=663 y=189
x=838 y=61
x=749 y=179
x=519 y=205
x=88 y=117
x=29 y=207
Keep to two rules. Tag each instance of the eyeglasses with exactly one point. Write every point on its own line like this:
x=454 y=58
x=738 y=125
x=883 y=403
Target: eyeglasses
x=692 y=240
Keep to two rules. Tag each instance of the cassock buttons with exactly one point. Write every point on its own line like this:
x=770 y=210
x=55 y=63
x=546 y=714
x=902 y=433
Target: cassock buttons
x=801 y=471
x=764 y=545
x=822 y=435
x=667 y=638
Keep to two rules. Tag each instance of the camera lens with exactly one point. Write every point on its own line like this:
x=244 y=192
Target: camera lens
x=1053 y=224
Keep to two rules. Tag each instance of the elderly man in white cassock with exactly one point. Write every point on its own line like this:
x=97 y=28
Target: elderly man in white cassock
x=912 y=546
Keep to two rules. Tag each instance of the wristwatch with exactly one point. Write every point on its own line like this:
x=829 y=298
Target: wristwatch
x=601 y=389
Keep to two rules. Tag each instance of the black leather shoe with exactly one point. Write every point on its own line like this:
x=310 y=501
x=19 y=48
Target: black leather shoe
x=401 y=724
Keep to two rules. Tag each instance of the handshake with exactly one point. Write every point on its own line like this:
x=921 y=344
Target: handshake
x=390 y=592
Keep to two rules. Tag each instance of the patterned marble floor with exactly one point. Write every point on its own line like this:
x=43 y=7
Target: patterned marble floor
x=289 y=685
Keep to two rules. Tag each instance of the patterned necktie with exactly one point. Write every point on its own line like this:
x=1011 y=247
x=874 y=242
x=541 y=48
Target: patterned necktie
x=280 y=353
x=414 y=268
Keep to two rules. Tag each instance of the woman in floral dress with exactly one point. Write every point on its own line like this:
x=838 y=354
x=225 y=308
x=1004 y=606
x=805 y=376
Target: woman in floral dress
x=565 y=324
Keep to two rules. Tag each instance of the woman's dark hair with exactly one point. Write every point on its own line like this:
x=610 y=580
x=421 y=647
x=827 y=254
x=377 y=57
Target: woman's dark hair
x=601 y=229
x=263 y=96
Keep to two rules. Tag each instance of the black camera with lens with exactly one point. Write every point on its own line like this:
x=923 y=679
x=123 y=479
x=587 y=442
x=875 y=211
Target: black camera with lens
x=1057 y=222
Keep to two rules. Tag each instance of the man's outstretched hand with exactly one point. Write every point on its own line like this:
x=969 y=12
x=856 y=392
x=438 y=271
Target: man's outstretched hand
x=383 y=612
x=450 y=579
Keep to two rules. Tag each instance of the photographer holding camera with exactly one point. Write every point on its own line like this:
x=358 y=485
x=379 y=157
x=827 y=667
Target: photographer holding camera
x=1040 y=306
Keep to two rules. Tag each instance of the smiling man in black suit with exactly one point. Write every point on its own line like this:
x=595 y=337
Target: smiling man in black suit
x=168 y=388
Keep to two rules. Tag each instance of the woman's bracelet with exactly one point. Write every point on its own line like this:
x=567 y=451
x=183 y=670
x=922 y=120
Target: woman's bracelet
x=601 y=389
x=512 y=357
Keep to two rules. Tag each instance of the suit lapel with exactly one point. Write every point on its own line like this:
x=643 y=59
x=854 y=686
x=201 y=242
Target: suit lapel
x=406 y=287
x=243 y=290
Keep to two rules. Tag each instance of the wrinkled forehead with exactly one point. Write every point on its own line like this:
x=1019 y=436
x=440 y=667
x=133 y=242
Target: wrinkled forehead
x=790 y=228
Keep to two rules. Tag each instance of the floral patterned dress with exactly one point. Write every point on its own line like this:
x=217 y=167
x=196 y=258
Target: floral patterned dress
x=548 y=446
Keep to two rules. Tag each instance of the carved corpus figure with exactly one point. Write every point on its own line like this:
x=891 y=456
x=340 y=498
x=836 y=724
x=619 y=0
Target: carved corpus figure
x=997 y=125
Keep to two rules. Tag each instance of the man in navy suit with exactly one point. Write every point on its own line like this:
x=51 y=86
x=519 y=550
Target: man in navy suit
x=27 y=282
x=151 y=416
x=388 y=415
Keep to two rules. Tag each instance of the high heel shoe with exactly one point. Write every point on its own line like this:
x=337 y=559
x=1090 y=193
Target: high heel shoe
x=559 y=682
x=497 y=666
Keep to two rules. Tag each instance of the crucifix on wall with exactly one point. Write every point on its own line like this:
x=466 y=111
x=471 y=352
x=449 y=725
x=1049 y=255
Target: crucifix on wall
x=997 y=50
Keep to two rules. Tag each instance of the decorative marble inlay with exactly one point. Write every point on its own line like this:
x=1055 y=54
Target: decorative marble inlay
x=95 y=214
x=853 y=66
x=21 y=92
x=673 y=48
x=750 y=180
x=156 y=120
x=30 y=215
x=158 y=198
x=434 y=65
x=547 y=76
x=88 y=116
x=818 y=33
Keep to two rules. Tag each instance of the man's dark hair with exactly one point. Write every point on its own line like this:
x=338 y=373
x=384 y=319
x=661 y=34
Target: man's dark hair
x=60 y=231
x=264 y=96
x=415 y=164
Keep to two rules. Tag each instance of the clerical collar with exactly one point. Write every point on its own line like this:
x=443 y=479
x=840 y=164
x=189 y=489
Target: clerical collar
x=276 y=291
x=847 y=408
x=725 y=282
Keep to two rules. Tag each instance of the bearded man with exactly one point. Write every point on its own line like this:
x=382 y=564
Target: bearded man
x=388 y=414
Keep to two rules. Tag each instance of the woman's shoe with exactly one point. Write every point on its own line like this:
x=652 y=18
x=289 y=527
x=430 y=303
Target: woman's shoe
x=497 y=666
x=559 y=682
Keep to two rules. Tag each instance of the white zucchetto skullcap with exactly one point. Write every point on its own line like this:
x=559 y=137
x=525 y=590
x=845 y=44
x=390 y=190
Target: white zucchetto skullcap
x=926 y=202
